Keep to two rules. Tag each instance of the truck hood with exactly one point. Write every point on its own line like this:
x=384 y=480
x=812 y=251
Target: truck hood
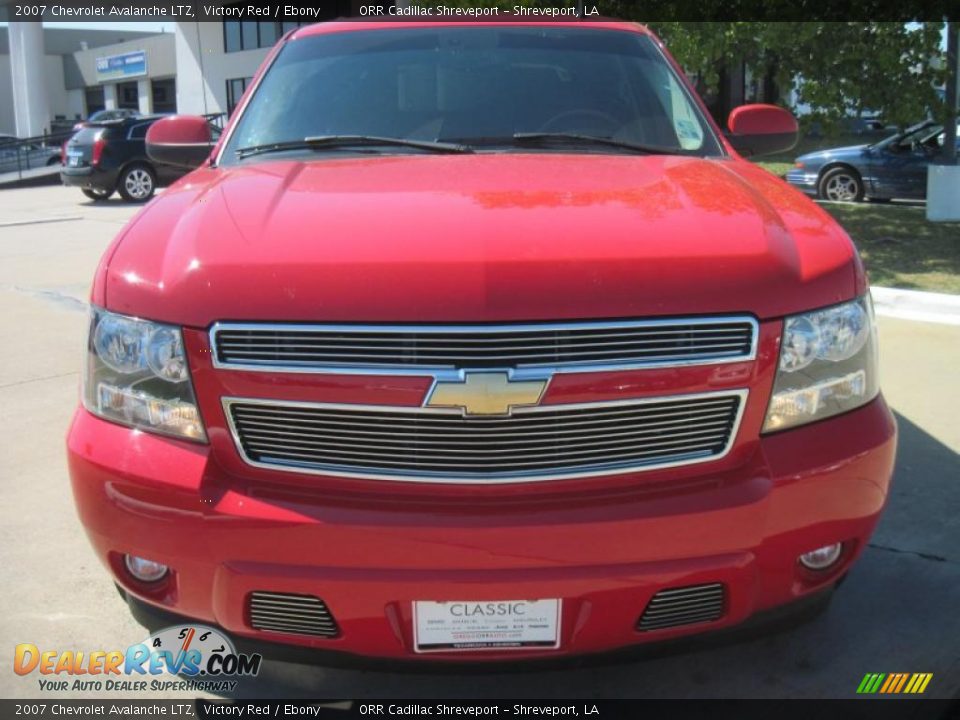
x=491 y=237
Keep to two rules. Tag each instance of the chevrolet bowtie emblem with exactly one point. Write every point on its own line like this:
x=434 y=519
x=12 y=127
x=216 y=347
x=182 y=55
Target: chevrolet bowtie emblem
x=485 y=393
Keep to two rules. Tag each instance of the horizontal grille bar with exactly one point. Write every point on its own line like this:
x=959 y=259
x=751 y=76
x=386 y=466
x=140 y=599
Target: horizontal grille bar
x=291 y=613
x=480 y=446
x=683 y=606
x=306 y=348
x=612 y=414
x=260 y=427
x=493 y=453
x=438 y=445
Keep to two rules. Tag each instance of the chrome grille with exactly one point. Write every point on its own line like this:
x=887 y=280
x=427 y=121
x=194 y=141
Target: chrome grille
x=534 y=443
x=290 y=613
x=319 y=348
x=683 y=606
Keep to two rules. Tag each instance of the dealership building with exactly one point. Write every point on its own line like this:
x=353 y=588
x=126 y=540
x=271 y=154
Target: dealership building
x=51 y=77
x=216 y=60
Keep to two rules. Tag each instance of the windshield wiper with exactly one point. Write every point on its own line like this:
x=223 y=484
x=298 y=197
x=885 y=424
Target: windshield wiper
x=547 y=138
x=320 y=142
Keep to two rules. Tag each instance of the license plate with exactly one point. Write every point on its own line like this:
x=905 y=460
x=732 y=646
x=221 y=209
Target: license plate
x=73 y=160
x=486 y=625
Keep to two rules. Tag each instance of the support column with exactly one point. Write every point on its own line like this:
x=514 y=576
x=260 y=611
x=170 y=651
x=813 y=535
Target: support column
x=953 y=89
x=145 y=96
x=110 y=96
x=943 y=178
x=31 y=110
x=193 y=95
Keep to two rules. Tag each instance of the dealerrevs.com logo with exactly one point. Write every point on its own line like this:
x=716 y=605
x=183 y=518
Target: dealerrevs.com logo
x=202 y=657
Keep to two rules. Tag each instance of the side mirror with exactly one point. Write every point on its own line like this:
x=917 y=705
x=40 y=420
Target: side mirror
x=181 y=140
x=762 y=130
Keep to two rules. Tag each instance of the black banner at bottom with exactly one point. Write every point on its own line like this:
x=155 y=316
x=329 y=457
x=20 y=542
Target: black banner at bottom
x=873 y=709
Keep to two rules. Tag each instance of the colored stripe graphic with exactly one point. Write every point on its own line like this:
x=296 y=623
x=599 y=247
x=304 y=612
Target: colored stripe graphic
x=894 y=683
x=870 y=683
x=918 y=683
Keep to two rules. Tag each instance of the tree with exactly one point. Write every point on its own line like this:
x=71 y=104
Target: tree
x=838 y=68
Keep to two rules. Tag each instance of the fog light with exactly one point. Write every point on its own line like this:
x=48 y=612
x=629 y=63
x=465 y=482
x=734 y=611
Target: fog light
x=821 y=558
x=143 y=569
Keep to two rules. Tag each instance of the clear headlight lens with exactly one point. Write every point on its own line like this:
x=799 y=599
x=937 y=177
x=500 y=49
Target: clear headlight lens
x=828 y=365
x=165 y=356
x=118 y=341
x=137 y=375
x=801 y=339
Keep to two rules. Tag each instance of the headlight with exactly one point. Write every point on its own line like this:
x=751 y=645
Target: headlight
x=828 y=365
x=137 y=375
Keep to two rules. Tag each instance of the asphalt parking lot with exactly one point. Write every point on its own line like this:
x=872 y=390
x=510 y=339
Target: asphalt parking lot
x=898 y=612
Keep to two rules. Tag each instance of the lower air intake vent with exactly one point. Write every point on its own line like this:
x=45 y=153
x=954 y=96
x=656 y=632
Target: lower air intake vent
x=287 y=613
x=683 y=606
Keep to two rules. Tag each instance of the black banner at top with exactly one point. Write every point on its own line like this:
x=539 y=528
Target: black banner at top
x=86 y=11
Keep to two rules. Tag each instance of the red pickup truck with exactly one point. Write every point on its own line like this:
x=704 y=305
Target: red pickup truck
x=478 y=342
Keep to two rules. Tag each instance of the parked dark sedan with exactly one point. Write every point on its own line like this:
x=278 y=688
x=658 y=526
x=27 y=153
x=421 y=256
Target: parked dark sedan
x=892 y=168
x=109 y=156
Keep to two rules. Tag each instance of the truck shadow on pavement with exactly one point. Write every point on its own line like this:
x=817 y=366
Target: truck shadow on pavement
x=896 y=612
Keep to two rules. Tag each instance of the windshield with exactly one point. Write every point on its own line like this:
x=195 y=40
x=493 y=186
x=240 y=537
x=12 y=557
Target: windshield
x=926 y=136
x=482 y=86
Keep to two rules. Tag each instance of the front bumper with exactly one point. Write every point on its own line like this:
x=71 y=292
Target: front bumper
x=802 y=180
x=89 y=178
x=782 y=618
x=605 y=557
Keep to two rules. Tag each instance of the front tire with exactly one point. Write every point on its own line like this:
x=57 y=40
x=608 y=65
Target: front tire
x=96 y=195
x=137 y=183
x=841 y=185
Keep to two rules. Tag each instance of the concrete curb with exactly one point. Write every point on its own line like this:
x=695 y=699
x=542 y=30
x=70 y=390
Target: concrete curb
x=916 y=305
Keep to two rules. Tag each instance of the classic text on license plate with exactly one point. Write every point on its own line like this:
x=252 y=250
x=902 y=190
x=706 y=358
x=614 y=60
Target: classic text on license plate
x=486 y=625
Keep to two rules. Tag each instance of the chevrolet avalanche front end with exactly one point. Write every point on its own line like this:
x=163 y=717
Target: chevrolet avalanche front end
x=478 y=342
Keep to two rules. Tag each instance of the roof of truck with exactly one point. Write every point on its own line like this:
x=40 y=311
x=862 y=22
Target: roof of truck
x=322 y=28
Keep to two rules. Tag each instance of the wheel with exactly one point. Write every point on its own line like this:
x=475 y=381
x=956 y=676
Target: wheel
x=137 y=183
x=53 y=161
x=96 y=194
x=841 y=185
